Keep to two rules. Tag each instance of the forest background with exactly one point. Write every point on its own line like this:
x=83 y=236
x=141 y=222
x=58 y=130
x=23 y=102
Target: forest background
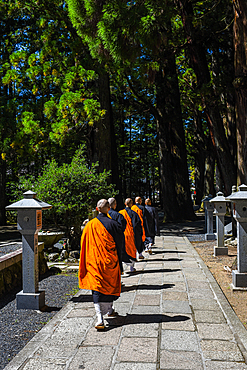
x=152 y=91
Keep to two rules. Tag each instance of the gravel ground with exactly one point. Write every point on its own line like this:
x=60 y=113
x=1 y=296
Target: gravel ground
x=8 y=248
x=17 y=327
x=195 y=237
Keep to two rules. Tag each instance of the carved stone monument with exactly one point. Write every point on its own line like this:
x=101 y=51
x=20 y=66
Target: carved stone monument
x=29 y=222
x=219 y=203
x=209 y=225
x=239 y=200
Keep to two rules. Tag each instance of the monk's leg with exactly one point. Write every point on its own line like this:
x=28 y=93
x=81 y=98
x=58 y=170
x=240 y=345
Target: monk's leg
x=100 y=320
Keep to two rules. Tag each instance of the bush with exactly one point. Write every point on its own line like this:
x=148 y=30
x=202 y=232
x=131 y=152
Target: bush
x=72 y=190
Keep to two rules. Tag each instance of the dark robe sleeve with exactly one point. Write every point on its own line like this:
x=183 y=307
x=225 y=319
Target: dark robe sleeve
x=157 y=225
x=137 y=227
x=114 y=229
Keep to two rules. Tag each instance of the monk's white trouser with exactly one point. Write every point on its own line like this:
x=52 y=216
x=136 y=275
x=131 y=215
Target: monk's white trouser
x=101 y=309
x=131 y=265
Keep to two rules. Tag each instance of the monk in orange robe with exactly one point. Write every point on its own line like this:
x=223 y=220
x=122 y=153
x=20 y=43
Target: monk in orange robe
x=139 y=209
x=99 y=268
x=132 y=233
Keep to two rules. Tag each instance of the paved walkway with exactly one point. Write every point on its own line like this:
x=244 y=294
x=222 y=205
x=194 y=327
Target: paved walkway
x=173 y=315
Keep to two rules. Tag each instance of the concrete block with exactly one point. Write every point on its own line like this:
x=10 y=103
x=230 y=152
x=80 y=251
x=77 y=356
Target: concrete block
x=239 y=280
x=33 y=301
x=220 y=251
x=210 y=237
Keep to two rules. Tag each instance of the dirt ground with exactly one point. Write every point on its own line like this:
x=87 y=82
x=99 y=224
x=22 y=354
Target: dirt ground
x=237 y=299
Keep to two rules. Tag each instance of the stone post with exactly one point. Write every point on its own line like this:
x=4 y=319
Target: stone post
x=29 y=222
x=234 y=222
x=209 y=222
x=219 y=203
x=239 y=200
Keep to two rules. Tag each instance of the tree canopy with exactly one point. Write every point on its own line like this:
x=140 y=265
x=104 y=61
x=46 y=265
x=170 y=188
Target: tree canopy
x=150 y=88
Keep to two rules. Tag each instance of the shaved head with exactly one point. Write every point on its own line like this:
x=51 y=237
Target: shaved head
x=148 y=202
x=138 y=200
x=128 y=202
x=112 y=202
x=103 y=206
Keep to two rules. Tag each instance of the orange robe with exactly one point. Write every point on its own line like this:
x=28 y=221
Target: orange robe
x=136 y=209
x=129 y=235
x=99 y=265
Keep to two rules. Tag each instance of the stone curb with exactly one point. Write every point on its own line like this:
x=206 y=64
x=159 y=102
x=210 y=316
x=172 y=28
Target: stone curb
x=238 y=329
x=19 y=361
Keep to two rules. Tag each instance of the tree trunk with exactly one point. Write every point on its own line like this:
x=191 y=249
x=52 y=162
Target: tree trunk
x=199 y=145
x=105 y=149
x=2 y=192
x=215 y=123
x=240 y=84
x=175 y=188
x=209 y=170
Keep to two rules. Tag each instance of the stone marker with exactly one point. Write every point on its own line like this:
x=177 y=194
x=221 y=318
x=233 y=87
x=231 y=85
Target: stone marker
x=219 y=203
x=209 y=226
x=29 y=222
x=239 y=200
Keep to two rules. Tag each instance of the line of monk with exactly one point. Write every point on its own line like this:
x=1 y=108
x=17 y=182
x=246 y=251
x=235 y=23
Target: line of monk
x=109 y=240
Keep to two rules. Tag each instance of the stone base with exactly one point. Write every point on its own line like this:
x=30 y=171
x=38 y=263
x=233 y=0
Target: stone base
x=210 y=237
x=30 y=301
x=220 y=251
x=239 y=279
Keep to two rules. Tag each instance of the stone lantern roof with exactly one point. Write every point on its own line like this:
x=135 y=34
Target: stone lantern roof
x=241 y=194
x=29 y=202
x=219 y=198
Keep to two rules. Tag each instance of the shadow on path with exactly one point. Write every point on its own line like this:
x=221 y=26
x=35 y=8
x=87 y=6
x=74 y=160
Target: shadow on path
x=155 y=271
x=146 y=287
x=131 y=319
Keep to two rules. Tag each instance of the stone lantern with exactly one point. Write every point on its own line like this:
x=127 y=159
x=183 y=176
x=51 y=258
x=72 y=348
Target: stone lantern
x=219 y=203
x=239 y=203
x=209 y=226
x=29 y=222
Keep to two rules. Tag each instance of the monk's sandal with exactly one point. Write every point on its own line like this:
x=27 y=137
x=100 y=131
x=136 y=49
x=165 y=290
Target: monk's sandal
x=113 y=314
x=100 y=326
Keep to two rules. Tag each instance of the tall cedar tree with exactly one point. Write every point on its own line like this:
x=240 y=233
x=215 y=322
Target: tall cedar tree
x=199 y=63
x=132 y=33
x=240 y=83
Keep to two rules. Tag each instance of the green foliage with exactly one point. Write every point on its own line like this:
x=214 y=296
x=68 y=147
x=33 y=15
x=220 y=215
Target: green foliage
x=72 y=189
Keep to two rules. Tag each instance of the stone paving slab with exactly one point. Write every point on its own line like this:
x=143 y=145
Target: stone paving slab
x=178 y=322
x=180 y=360
x=172 y=315
x=177 y=340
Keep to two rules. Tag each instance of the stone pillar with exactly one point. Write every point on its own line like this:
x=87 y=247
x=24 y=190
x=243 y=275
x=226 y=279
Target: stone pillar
x=234 y=222
x=209 y=221
x=29 y=222
x=219 y=203
x=239 y=201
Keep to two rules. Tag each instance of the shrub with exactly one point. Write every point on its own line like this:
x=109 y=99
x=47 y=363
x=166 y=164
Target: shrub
x=72 y=189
